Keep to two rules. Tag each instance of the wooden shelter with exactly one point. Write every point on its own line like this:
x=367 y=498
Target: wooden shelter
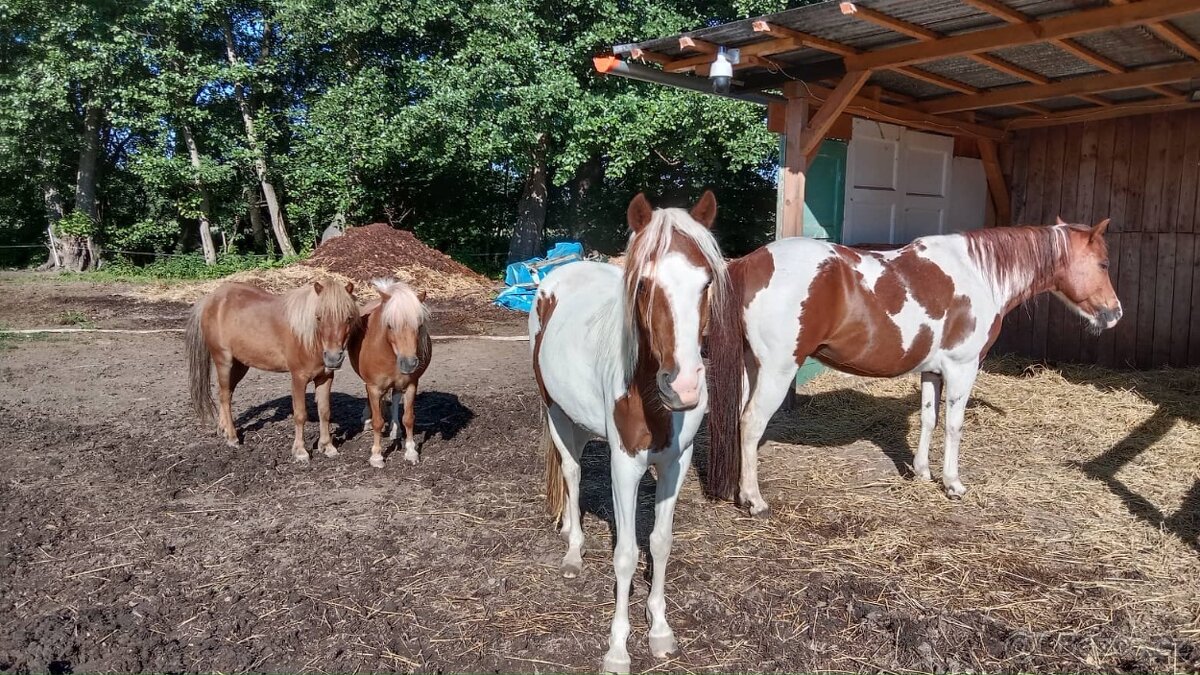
x=1083 y=109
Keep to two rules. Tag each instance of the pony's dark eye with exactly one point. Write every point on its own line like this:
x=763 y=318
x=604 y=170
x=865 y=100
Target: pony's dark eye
x=1103 y=264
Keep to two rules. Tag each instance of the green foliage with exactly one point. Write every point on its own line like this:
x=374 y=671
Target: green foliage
x=424 y=113
x=192 y=266
x=76 y=318
x=76 y=224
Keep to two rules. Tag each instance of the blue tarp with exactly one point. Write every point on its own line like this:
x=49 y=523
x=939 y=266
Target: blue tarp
x=522 y=278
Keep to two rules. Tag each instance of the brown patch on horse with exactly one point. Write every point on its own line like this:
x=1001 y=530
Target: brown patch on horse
x=960 y=323
x=545 y=309
x=993 y=333
x=751 y=273
x=932 y=288
x=849 y=328
x=642 y=422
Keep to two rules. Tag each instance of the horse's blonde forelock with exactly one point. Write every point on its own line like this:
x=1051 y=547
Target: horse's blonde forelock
x=403 y=308
x=302 y=306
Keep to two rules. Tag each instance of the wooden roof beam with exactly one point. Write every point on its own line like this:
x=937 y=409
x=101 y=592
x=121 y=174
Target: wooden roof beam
x=1071 y=87
x=1171 y=35
x=1092 y=114
x=869 y=108
x=1064 y=26
x=926 y=35
x=834 y=105
x=697 y=45
x=1003 y=11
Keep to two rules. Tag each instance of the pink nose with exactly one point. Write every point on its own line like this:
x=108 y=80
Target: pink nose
x=686 y=386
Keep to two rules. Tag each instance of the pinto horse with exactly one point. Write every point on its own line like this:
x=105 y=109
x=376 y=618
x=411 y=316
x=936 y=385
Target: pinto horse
x=238 y=327
x=619 y=358
x=390 y=351
x=933 y=307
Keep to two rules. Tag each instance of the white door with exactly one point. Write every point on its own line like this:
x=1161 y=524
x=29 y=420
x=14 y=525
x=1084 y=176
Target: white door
x=873 y=191
x=897 y=184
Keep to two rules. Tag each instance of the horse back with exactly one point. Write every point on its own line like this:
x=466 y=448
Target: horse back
x=247 y=323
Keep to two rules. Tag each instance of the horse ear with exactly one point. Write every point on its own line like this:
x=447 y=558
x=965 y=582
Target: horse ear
x=421 y=297
x=350 y=287
x=640 y=212
x=705 y=210
x=318 y=287
x=384 y=296
x=1098 y=230
x=1059 y=221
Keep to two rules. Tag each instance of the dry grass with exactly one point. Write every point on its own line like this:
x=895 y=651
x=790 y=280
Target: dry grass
x=439 y=286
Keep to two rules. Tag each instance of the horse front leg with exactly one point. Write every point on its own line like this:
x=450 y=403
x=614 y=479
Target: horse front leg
x=931 y=401
x=374 y=404
x=299 y=416
x=626 y=474
x=410 y=419
x=959 y=383
x=671 y=472
x=324 y=392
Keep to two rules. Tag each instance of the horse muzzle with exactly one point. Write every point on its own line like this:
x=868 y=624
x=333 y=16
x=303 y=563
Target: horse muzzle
x=678 y=392
x=1108 y=316
x=407 y=365
x=333 y=360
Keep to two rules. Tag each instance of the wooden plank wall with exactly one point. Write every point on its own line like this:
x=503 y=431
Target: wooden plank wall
x=1142 y=172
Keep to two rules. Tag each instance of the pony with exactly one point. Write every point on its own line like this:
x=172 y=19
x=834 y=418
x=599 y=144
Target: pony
x=238 y=327
x=616 y=354
x=932 y=307
x=390 y=351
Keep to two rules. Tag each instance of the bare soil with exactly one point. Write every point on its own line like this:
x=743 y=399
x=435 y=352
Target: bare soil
x=133 y=539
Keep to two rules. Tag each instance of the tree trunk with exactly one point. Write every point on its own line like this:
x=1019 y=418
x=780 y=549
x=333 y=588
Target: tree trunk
x=260 y=163
x=531 y=210
x=206 y=239
x=56 y=208
x=256 y=223
x=589 y=175
x=79 y=252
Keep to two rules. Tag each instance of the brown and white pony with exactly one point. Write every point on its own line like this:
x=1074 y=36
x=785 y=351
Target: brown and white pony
x=238 y=327
x=390 y=351
x=933 y=307
x=617 y=355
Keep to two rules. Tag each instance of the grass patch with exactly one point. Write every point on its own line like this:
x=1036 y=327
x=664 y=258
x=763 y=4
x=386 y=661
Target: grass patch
x=183 y=268
x=76 y=318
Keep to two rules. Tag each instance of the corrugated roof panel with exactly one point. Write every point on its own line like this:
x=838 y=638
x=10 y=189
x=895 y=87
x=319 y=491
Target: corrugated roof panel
x=970 y=72
x=1046 y=59
x=902 y=84
x=1131 y=47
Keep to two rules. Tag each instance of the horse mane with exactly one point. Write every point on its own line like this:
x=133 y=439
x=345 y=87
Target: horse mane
x=302 y=306
x=652 y=243
x=403 y=309
x=1020 y=259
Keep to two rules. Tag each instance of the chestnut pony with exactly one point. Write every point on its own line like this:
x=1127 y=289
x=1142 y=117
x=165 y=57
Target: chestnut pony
x=617 y=355
x=933 y=307
x=390 y=352
x=238 y=327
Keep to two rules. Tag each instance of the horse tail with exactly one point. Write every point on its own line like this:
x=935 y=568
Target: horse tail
x=556 y=484
x=199 y=365
x=726 y=368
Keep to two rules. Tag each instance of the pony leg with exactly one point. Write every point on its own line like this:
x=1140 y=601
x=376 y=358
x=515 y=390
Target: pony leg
x=626 y=474
x=769 y=391
x=670 y=479
x=230 y=372
x=323 y=392
x=931 y=400
x=299 y=417
x=374 y=405
x=410 y=418
x=958 y=391
x=394 y=433
x=569 y=440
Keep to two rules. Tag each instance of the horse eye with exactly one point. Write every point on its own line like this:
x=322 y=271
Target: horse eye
x=1103 y=264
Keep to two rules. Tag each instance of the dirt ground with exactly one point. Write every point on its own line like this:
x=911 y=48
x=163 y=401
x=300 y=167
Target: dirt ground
x=133 y=539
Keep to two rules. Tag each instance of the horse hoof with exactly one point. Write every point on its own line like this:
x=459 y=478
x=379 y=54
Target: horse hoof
x=761 y=512
x=923 y=476
x=300 y=457
x=615 y=663
x=411 y=457
x=232 y=442
x=331 y=451
x=377 y=461
x=571 y=567
x=956 y=491
x=662 y=646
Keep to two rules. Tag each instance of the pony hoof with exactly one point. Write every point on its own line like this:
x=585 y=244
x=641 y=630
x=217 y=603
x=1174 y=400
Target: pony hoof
x=330 y=451
x=393 y=435
x=232 y=442
x=377 y=461
x=923 y=476
x=300 y=457
x=615 y=663
x=366 y=425
x=411 y=456
x=662 y=646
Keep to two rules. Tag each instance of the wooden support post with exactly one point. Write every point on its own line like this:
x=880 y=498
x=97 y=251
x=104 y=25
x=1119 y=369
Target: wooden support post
x=795 y=163
x=995 y=181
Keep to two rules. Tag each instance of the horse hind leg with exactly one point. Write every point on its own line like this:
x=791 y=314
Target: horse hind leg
x=394 y=431
x=569 y=439
x=770 y=388
x=230 y=372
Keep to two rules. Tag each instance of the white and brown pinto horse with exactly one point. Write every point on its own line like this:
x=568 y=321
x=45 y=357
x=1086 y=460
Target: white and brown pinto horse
x=619 y=358
x=933 y=307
